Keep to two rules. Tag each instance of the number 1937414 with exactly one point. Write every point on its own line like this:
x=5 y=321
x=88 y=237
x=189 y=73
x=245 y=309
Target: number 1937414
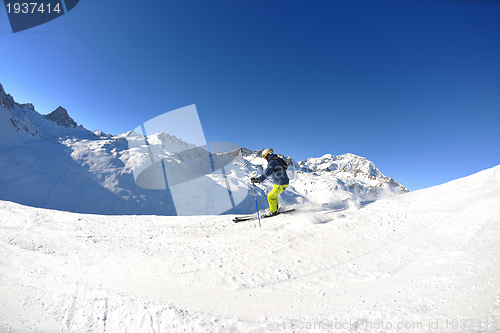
x=32 y=8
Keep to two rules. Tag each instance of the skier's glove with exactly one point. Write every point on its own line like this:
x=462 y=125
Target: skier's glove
x=254 y=180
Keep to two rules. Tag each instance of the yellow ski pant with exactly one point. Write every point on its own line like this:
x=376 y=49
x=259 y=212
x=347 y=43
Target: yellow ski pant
x=272 y=197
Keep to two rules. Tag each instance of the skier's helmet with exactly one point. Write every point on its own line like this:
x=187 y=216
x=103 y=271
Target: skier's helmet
x=266 y=152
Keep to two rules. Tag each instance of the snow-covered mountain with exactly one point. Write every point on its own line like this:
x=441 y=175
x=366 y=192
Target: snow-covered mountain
x=51 y=162
x=339 y=181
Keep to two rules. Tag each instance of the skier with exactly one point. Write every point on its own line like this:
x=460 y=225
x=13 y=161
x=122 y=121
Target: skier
x=277 y=167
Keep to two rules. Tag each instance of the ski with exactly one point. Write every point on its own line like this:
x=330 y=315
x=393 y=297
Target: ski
x=254 y=216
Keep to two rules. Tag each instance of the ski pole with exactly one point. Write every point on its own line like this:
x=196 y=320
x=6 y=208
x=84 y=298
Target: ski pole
x=256 y=205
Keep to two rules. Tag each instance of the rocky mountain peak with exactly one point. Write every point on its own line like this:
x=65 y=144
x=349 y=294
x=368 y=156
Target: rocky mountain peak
x=6 y=100
x=61 y=117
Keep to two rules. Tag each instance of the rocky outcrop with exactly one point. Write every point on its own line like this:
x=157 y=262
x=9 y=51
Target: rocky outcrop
x=6 y=100
x=60 y=117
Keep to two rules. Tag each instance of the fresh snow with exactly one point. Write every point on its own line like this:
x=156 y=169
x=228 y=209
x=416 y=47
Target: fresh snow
x=425 y=261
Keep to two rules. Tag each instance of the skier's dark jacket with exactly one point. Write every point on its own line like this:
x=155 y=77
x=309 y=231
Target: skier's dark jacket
x=274 y=167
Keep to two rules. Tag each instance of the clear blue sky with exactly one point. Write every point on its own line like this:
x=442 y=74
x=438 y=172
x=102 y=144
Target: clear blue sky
x=412 y=85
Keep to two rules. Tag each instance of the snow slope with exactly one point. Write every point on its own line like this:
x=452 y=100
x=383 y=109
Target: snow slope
x=425 y=261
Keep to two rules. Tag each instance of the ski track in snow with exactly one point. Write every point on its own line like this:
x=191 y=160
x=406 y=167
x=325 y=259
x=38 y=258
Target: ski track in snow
x=417 y=259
